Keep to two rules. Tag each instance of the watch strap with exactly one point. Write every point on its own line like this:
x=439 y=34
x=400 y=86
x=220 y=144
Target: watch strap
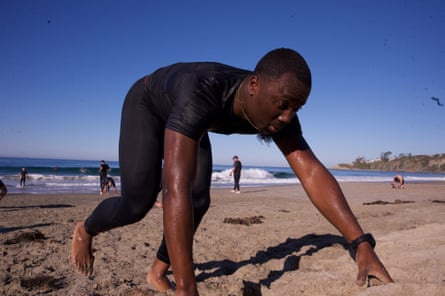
x=367 y=237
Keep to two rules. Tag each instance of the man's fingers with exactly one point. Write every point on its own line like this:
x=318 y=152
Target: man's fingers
x=384 y=276
x=374 y=278
x=361 y=278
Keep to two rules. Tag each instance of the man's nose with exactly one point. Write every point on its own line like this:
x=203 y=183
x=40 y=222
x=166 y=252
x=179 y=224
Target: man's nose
x=286 y=116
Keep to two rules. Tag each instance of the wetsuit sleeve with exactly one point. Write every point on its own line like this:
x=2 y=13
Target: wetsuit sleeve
x=193 y=108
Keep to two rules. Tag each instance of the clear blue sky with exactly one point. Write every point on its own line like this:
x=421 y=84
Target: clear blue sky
x=65 y=67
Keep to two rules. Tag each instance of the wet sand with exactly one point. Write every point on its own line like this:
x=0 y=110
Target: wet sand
x=264 y=241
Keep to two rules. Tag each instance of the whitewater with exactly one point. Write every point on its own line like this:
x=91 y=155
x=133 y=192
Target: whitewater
x=63 y=176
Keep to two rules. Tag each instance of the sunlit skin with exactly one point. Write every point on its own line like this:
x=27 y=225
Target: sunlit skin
x=270 y=103
x=81 y=250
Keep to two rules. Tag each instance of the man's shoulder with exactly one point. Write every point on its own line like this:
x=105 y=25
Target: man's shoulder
x=200 y=68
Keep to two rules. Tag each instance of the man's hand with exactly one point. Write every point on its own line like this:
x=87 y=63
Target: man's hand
x=369 y=266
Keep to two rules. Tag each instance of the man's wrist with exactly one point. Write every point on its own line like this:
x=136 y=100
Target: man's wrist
x=367 y=237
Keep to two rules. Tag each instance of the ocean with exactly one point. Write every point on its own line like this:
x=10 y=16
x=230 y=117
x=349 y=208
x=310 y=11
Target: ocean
x=65 y=176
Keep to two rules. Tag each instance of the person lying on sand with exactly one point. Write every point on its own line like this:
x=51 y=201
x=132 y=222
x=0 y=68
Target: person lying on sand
x=166 y=118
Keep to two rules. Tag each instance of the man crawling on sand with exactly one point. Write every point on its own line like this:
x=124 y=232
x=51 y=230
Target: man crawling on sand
x=166 y=119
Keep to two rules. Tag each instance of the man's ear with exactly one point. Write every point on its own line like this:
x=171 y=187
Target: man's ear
x=253 y=85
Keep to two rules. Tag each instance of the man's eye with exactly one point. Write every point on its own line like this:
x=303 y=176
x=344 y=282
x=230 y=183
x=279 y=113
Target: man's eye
x=284 y=105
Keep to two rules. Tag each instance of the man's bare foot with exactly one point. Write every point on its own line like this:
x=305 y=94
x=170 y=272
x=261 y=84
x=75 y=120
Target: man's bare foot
x=81 y=250
x=161 y=284
x=156 y=277
x=158 y=204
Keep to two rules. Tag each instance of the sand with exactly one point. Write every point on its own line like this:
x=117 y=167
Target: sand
x=264 y=241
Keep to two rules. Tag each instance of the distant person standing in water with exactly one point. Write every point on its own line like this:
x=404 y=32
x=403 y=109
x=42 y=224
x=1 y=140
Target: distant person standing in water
x=3 y=189
x=236 y=172
x=104 y=168
x=23 y=175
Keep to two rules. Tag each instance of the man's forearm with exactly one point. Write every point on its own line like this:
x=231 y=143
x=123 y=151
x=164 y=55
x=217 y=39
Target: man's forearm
x=329 y=199
x=178 y=228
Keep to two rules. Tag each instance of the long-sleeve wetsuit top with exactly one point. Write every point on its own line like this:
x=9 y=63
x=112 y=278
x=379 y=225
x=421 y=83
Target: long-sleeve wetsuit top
x=193 y=98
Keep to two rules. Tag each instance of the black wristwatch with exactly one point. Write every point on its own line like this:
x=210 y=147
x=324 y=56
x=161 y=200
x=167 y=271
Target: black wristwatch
x=363 y=238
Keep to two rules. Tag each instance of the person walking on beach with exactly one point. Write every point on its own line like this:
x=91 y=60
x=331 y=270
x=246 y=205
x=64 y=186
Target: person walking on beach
x=236 y=172
x=165 y=122
x=104 y=168
x=3 y=189
x=23 y=176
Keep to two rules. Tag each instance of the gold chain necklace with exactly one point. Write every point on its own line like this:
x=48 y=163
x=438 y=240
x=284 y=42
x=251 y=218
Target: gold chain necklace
x=242 y=108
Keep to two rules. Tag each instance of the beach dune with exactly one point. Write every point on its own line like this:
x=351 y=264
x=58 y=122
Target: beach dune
x=265 y=241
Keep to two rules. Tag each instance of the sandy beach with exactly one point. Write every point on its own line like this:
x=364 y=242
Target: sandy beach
x=264 y=241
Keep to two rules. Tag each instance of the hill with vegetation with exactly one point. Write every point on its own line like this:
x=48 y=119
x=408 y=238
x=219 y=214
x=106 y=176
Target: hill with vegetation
x=407 y=163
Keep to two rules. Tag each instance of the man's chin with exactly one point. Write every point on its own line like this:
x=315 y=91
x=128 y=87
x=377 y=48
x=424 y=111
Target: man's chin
x=265 y=136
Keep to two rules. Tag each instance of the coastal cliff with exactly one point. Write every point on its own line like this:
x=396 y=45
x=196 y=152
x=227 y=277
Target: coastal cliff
x=408 y=163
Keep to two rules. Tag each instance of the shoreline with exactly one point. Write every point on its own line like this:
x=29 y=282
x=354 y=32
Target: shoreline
x=290 y=249
x=218 y=189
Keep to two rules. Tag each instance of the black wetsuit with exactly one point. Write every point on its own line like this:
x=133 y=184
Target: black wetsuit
x=189 y=98
x=23 y=174
x=103 y=171
x=236 y=174
x=110 y=183
x=3 y=189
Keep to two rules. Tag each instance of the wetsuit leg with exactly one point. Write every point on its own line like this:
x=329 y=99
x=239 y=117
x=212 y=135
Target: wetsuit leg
x=140 y=157
x=103 y=182
x=237 y=177
x=200 y=191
